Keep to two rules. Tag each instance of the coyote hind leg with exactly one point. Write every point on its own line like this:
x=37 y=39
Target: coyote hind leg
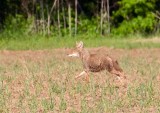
x=118 y=74
x=121 y=78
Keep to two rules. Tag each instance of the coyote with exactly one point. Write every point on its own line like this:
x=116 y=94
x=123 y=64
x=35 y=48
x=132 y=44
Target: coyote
x=95 y=62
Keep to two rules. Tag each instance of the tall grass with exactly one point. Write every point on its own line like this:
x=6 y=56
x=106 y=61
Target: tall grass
x=35 y=42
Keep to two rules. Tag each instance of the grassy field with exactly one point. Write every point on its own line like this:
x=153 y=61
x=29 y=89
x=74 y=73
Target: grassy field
x=43 y=81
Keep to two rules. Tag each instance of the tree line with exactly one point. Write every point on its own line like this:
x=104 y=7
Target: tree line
x=72 y=17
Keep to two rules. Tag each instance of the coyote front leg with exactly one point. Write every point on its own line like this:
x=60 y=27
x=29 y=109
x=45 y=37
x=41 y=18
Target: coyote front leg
x=86 y=75
x=82 y=73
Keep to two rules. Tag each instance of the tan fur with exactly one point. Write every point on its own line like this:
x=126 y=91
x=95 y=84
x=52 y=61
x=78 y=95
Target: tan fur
x=97 y=62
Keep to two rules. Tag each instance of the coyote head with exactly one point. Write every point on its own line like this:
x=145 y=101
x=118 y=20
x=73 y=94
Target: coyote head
x=76 y=52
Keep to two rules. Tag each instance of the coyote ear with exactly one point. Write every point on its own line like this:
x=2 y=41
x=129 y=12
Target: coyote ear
x=80 y=44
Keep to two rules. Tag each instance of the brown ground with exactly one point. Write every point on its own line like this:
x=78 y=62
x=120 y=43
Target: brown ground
x=16 y=87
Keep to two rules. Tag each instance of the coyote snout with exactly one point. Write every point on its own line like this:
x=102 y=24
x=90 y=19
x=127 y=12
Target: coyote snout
x=73 y=53
x=95 y=62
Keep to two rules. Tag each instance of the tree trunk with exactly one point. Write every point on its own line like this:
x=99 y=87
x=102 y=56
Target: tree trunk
x=108 y=17
x=64 y=19
x=43 y=20
x=101 y=23
x=49 y=16
x=48 y=21
x=59 y=26
x=69 y=18
x=75 y=17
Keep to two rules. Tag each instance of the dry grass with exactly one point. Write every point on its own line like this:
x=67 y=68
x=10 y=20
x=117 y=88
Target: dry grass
x=151 y=40
x=43 y=81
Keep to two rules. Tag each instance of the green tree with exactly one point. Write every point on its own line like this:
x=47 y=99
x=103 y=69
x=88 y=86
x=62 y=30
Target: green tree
x=134 y=16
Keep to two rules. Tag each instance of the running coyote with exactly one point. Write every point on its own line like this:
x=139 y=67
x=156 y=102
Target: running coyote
x=95 y=62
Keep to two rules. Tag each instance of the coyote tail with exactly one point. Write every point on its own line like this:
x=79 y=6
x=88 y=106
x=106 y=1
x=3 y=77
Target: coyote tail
x=116 y=66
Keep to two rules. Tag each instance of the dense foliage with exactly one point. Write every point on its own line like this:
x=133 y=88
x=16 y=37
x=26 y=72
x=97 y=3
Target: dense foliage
x=72 y=17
